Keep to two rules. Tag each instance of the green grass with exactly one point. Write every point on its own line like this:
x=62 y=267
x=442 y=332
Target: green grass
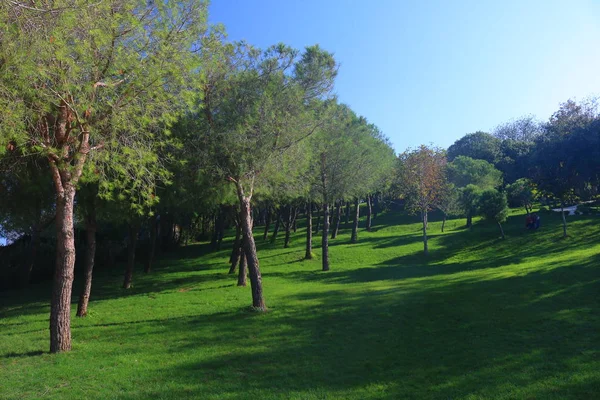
x=480 y=318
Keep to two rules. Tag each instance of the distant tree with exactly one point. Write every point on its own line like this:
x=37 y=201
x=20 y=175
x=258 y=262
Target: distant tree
x=525 y=129
x=478 y=145
x=467 y=198
x=521 y=194
x=465 y=171
x=422 y=180
x=493 y=206
x=448 y=202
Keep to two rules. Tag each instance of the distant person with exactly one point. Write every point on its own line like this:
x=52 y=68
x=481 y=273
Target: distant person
x=529 y=222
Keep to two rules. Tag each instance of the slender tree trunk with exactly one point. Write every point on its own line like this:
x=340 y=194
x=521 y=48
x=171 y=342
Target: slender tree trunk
x=308 y=255
x=325 y=238
x=267 y=224
x=369 y=211
x=133 y=237
x=443 y=223
x=258 y=301
x=237 y=248
x=295 y=219
x=60 y=311
x=277 y=225
x=318 y=224
x=336 y=220
x=469 y=220
x=347 y=212
x=288 y=226
x=375 y=200
x=153 y=234
x=425 y=246
x=564 y=219
x=243 y=272
x=501 y=229
x=90 y=256
x=354 y=237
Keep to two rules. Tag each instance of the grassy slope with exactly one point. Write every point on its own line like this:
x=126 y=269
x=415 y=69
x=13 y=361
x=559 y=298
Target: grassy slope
x=480 y=319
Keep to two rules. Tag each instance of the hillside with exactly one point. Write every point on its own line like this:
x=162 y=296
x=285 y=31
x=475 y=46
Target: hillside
x=480 y=318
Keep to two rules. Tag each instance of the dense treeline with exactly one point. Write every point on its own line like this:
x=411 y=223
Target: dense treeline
x=148 y=129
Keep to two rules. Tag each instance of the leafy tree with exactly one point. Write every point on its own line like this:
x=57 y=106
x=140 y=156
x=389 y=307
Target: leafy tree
x=525 y=129
x=448 y=202
x=422 y=179
x=468 y=198
x=493 y=206
x=521 y=193
x=478 y=145
x=465 y=170
x=91 y=78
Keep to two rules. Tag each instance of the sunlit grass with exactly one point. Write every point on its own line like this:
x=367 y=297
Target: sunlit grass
x=480 y=318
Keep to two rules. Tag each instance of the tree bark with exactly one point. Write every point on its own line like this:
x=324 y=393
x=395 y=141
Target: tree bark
x=318 y=224
x=354 y=237
x=425 y=246
x=469 y=220
x=258 y=301
x=60 y=311
x=153 y=234
x=237 y=248
x=288 y=226
x=267 y=224
x=90 y=255
x=501 y=229
x=336 y=219
x=133 y=237
x=564 y=220
x=295 y=219
x=443 y=223
x=308 y=255
x=243 y=272
x=277 y=225
x=347 y=211
x=325 y=237
x=369 y=211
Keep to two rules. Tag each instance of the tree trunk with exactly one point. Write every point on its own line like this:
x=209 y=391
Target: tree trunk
x=336 y=219
x=325 y=238
x=375 y=200
x=153 y=234
x=564 y=219
x=347 y=211
x=267 y=224
x=258 y=301
x=318 y=224
x=237 y=248
x=243 y=272
x=354 y=237
x=369 y=211
x=295 y=219
x=90 y=255
x=308 y=255
x=443 y=223
x=501 y=229
x=288 y=226
x=469 y=220
x=425 y=246
x=277 y=225
x=133 y=237
x=60 y=311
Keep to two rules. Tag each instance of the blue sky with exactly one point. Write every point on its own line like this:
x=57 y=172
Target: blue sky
x=431 y=71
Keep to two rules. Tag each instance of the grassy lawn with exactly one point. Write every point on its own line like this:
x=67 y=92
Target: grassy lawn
x=480 y=318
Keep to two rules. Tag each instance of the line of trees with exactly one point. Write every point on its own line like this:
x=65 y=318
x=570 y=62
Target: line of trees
x=128 y=123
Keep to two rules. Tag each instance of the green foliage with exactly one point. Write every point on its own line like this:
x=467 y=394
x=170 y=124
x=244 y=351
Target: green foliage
x=478 y=145
x=468 y=199
x=521 y=193
x=492 y=205
x=463 y=171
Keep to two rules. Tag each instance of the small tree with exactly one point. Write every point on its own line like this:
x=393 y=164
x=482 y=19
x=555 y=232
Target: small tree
x=467 y=199
x=493 y=206
x=422 y=179
x=521 y=193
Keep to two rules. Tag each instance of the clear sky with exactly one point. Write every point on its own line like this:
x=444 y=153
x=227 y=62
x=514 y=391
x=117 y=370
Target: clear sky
x=431 y=71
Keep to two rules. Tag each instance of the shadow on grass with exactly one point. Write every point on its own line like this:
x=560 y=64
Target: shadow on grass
x=531 y=336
